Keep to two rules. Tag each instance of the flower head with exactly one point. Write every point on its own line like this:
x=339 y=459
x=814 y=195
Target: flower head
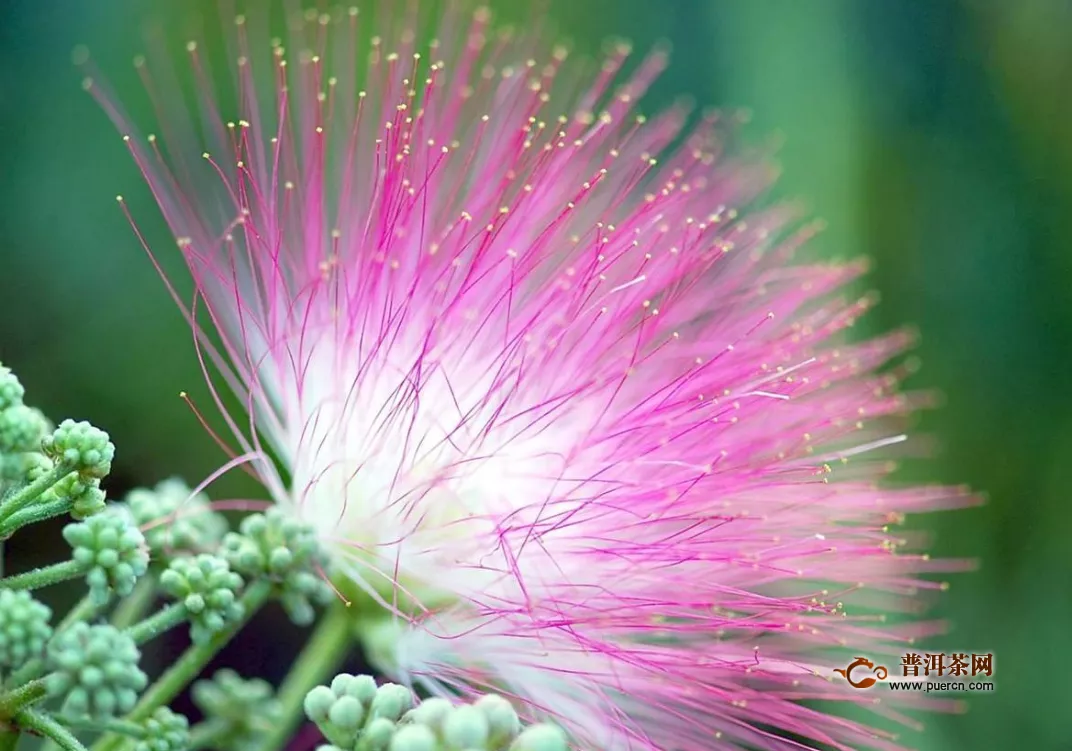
x=94 y=670
x=173 y=519
x=244 y=708
x=24 y=627
x=553 y=398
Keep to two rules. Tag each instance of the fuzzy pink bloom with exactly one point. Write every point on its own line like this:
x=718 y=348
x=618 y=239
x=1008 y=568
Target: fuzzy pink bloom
x=550 y=396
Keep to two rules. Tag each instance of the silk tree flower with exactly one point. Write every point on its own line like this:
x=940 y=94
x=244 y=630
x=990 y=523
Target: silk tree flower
x=564 y=408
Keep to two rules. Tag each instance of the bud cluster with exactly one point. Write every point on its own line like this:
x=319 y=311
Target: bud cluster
x=173 y=519
x=94 y=670
x=241 y=709
x=22 y=429
x=24 y=628
x=356 y=715
x=165 y=731
x=113 y=552
x=208 y=589
x=84 y=448
x=287 y=552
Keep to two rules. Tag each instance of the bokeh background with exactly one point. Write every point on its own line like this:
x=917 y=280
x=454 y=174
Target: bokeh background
x=932 y=135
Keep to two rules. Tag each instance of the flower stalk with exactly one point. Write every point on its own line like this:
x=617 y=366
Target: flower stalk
x=38 y=512
x=194 y=660
x=207 y=734
x=321 y=656
x=47 y=726
x=102 y=725
x=135 y=605
x=13 y=701
x=30 y=493
x=158 y=623
x=45 y=576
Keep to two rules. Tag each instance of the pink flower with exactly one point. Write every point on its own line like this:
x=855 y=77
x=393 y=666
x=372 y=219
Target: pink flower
x=577 y=423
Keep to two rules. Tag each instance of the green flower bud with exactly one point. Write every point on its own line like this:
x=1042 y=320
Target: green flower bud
x=541 y=737
x=172 y=520
x=391 y=701
x=22 y=429
x=378 y=735
x=90 y=503
x=503 y=722
x=280 y=560
x=208 y=589
x=113 y=548
x=94 y=670
x=24 y=628
x=165 y=731
x=347 y=714
x=245 y=707
x=361 y=687
x=466 y=727
x=85 y=495
x=11 y=391
x=281 y=548
x=85 y=448
x=430 y=712
x=413 y=738
x=318 y=703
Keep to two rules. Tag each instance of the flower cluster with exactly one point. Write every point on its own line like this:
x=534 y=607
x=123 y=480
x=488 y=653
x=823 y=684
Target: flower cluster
x=165 y=731
x=94 y=670
x=112 y=551
x=81 y=446
x=285 y=550
x=240 y=710
x=208 y=589
x=356 y=715
x=24 y=628
x=22 y=429
x=175 y=519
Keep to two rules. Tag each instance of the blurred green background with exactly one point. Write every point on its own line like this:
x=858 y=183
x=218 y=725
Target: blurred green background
x=933 y=135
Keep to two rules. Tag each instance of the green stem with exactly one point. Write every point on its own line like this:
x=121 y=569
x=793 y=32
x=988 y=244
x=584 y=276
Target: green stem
x=32 y=515
x=109 y=725
x=134 y=606
x=158 y=623
x=11 y=702
x=320 y=658
x=44 y=725
x=206 y=734
x=86 y=609
x=9 y=739
x=28 y=494
x=45 y=576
